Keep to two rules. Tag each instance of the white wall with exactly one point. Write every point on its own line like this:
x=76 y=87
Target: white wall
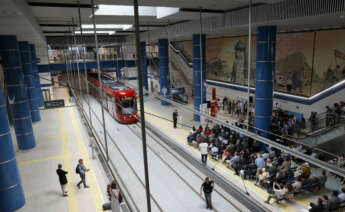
x=42 y=53
x=285 y=105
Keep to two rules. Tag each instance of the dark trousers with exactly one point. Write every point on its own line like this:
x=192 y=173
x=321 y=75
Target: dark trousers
x=175 y=123
x=82 y=180
x=203 y=158
x=208 y=199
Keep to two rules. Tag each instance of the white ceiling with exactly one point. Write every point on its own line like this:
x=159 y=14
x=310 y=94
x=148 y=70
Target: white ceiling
x=16 y=18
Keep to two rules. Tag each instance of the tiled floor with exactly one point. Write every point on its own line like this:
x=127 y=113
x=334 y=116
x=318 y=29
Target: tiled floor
x=60 y=138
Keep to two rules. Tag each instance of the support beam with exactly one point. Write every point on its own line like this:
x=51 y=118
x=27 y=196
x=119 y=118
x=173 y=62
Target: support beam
x=37 y=78
x=144 y=65
x=164 y=76
x=29 y=78
x=68 y=5
x=17 y=95
x=199 y=72
x=11 y=191
x=265 y=60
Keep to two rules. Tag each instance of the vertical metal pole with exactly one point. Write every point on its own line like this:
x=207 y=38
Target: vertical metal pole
x=70 y=66
x=249 y=55
x=66 y=64
x=99 y=78
x=87 y=97
x=201 y=61
x=142 y=114
x=77 y=58
x=169 y=61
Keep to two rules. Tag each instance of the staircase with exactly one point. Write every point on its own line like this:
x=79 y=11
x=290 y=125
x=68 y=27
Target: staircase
x=181 y=70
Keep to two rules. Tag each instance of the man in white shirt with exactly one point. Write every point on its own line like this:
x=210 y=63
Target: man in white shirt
x=279 y=193
x=203 y=150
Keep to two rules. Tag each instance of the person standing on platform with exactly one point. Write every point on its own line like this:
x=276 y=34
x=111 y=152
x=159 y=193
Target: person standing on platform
x=63 y=179
x=203 y=150
x=175 y=115
x=207 y=188
x=225 y=103
x=93 y=147
x=81 y=170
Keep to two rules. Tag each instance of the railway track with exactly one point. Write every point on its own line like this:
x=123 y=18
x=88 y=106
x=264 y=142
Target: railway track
x=156 y=152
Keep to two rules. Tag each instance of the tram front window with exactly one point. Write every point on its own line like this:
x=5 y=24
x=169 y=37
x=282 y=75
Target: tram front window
x=128 y=105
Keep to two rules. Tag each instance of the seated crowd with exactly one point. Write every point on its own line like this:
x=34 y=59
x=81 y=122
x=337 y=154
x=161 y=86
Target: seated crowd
x=282 y=175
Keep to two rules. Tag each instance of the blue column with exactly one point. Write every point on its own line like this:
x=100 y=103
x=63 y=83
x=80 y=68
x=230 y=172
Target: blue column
x=38 y=93
x=11 y=192
x=144 y=65
x=164 y=77
x=29 y=77
x=265 y=60
x=17 y=94
x=198 y=74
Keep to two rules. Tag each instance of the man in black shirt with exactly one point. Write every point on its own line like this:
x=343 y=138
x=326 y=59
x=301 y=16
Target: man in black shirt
x=207 y=187
x=63 y=179
x=175 y=115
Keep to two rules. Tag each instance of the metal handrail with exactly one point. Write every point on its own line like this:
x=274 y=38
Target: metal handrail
x=319 y=163
x=179 y=52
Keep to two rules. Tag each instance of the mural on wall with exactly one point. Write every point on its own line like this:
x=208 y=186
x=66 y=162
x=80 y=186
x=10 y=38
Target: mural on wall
x=294 y=58
x=306 y=63
x=329 y=59
x=227 y=59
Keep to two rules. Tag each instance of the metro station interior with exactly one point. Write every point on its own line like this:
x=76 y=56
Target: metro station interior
x=167 y=105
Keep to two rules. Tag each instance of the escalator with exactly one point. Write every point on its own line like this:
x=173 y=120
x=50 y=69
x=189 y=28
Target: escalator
x=324 y=133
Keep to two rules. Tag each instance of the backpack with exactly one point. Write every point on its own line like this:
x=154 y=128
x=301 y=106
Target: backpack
x=77 y=169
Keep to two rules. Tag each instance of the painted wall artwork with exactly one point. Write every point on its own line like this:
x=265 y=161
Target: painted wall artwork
x=306 y=62
x=294 y=59
x=329 y=65
x=227 y=59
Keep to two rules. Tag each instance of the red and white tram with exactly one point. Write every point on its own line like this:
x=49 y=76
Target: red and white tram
x=118 y=99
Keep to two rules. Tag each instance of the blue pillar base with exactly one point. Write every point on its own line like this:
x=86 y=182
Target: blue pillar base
x=164 y=103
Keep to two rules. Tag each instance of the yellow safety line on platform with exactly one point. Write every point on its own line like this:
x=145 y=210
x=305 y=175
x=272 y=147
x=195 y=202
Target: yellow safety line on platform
x=224 y=168
x=95 y=190
x=22 y=163
x=71 y=200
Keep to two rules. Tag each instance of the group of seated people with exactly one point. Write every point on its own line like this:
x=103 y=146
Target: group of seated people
x=333 y=202
x=279 y=173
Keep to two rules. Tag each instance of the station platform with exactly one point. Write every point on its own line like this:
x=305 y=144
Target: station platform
x=161 y=117
x=60 y=139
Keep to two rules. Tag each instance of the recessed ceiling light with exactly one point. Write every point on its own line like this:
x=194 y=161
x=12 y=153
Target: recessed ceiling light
x=107 y=26
x=98 y=32
x=125 y=10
